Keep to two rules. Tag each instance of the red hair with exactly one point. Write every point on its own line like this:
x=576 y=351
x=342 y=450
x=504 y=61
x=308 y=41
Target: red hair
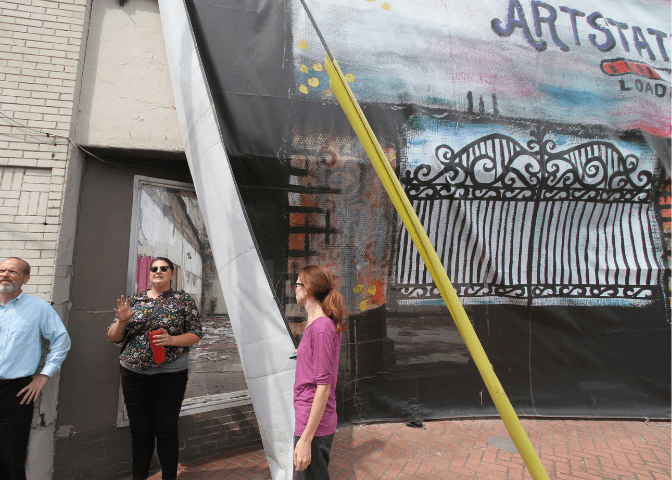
x=320 y=284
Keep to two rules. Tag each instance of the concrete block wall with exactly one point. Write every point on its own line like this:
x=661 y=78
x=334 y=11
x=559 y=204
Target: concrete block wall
x=41 y=58
x=25 y=230
x=41 y=61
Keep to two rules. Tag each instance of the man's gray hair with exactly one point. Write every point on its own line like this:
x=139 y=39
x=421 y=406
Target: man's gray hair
x=26 y=265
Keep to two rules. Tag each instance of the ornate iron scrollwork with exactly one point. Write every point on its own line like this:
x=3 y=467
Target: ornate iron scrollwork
x=498 y=167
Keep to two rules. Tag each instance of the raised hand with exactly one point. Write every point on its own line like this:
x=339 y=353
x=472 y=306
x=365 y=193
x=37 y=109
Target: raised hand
x=123 y=310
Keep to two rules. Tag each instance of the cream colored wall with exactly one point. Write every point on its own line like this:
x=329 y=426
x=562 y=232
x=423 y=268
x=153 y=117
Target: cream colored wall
x=126 y=97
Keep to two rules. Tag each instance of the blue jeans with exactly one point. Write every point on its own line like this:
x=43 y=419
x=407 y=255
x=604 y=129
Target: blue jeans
x=153 y=404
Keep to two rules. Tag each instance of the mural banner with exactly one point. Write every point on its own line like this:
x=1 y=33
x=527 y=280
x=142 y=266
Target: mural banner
x=532 y=139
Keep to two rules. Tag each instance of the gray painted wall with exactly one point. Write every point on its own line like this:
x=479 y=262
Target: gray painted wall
x=89 y=392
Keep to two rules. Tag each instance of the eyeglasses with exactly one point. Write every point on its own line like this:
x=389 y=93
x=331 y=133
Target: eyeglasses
x=297 y=284
x=163 y=268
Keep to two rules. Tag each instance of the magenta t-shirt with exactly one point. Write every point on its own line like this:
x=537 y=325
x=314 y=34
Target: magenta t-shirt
x=316 y=364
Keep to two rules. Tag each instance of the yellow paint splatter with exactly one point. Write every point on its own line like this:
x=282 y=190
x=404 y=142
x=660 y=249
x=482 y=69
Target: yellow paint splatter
x=317 y=67
x=386 y=6
x=359 y=288
x=350 y=77
x=370 y=0
x=303 y=68
x=327 y=92
x=303 y=44
x=362 y=305
x=303 y=89
x=313 y=82
x=371 y=289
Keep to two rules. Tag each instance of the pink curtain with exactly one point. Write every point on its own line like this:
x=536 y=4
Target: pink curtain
x=142 y=272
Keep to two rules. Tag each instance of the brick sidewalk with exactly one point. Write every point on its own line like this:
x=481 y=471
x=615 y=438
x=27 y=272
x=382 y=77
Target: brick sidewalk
x=474 y=449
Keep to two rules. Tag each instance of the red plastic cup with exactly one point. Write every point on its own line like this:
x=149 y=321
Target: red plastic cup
x=159 y=351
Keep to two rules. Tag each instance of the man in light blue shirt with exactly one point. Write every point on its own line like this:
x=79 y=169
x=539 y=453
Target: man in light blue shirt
x=24 y=320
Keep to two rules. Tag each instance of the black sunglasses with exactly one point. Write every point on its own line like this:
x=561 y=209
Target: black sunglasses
x=163 y=268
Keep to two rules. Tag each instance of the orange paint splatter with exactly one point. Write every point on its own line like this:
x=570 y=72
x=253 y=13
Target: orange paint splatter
x=378 y=298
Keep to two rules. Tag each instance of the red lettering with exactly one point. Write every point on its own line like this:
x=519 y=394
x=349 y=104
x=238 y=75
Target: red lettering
x=644 y=70
x=618 y=67
x=622 y=66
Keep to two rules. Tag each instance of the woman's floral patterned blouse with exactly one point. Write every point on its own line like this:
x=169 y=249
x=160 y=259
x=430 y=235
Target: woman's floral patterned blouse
x=177 y=315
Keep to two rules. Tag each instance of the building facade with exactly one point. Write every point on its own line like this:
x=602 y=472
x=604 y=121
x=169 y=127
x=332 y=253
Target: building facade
x=88 y=132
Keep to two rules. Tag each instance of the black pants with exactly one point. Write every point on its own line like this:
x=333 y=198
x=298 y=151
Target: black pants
x=153 y=404
x=15 y=420
x=319 y=459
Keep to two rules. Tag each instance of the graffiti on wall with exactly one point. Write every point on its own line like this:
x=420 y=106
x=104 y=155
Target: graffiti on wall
x=584 y=196
x=521 y=59
x=526 y=135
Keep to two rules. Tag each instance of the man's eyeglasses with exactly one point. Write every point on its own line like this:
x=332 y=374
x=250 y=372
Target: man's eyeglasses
x=297 y=284
x=163 y=268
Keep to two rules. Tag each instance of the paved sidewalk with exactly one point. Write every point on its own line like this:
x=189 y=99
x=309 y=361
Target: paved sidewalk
x=473 y=449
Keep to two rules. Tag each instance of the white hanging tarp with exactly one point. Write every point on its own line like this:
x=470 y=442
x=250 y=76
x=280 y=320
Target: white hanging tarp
x=261 y=336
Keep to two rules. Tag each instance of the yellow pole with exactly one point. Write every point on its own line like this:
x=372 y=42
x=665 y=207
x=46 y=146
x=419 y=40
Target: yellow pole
x=401 y=203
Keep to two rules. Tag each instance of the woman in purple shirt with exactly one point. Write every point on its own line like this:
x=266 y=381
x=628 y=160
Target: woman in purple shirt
x=316 y=371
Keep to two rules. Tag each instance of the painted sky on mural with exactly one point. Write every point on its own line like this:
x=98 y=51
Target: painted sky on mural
x=431 y=54
x=425 y=134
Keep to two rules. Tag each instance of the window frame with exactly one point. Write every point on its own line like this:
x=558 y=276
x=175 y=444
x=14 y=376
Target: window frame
x=194 y=405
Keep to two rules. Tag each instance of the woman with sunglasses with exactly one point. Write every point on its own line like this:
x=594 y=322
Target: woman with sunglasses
x=317 y=371
x=153 y=392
